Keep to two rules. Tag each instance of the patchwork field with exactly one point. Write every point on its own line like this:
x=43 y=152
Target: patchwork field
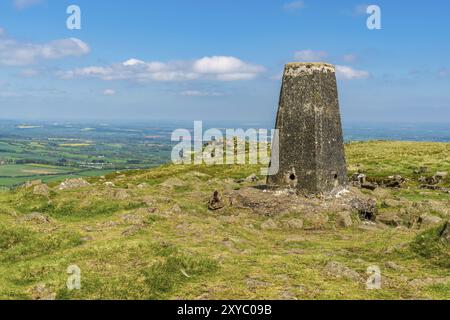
x=148 y=234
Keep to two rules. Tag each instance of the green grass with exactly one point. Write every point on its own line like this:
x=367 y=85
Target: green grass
x=144 y=247
x=429 y=246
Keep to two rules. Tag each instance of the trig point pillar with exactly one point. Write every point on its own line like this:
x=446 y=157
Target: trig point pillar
x=311 y=147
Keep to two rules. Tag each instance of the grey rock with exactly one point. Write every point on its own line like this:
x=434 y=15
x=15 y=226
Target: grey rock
x=73 y=184
x=389 y=218
x=367 y=208
x=338 y=270
x=428 y=220
x=344 y=220
x=216 y=202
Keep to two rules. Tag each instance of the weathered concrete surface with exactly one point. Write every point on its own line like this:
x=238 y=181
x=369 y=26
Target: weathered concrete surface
x=311 y=147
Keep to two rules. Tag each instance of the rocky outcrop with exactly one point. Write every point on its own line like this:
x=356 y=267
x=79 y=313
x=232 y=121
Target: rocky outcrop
x=428 y=220
x=216 y=202
x=344 y=220
x=73 y=184
x=41 y=190
x=366 y=208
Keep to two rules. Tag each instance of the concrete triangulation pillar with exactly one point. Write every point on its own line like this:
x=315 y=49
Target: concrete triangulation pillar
x=311 y=155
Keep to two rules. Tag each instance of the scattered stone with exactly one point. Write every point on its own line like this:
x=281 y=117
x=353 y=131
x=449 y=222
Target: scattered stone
x=339 y=270
x=359 y=179
x=216 y=202
x=36 y=217
x=428 y=220
x=252 y=178
x=296 y=224
x=367 y=208
x=392 y=265
x=73 y=184
x=41 y=190
x=389 y=219
x=394 y=181
x=42 y=292
x=109 y=184
x=269 y=225
x=142 y=185
x=344 y=220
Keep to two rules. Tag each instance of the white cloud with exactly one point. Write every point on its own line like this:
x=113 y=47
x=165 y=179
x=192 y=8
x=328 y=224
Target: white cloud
x=348 y=73
x=197 y=93
x=294 y=6
x=23 y=4
x=310 y=55
x=109 y=92
x=16 y=53
x=219 y=68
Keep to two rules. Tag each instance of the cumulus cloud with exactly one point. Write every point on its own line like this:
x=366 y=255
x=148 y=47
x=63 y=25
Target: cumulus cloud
x=109 y=92
x=348 y=73
x=310 y=55
x=294 y=6
x=221 y=68
x=16 y=53
x=23 y=4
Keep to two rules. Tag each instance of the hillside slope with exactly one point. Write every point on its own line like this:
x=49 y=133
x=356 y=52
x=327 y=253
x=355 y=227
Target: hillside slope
x=150 y=235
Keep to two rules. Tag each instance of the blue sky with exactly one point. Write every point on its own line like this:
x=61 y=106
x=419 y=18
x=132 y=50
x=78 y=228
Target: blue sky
x=211 y=59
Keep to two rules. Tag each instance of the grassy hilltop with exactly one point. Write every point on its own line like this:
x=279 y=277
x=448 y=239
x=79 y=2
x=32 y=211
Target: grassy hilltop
x=148 y=234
